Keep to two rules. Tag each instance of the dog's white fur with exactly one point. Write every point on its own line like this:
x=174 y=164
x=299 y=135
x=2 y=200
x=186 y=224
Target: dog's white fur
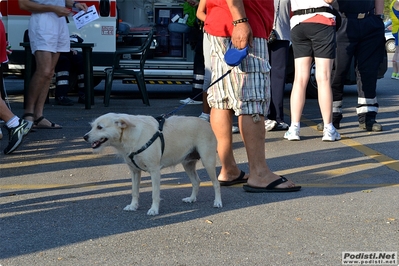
x=186 y=140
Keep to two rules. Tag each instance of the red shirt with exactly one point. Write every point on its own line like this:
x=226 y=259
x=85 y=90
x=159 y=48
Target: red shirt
x=3 y=43
x=260 y=14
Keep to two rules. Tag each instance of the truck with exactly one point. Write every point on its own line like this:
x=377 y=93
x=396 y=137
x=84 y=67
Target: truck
x=121 y=23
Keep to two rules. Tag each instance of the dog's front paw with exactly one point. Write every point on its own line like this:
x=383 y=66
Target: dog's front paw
x=152 y=211
x=189 y=199
x=131 y=207
x=217 y=204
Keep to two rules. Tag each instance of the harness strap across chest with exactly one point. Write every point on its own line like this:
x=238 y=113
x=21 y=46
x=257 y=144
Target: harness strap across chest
x=158 y=134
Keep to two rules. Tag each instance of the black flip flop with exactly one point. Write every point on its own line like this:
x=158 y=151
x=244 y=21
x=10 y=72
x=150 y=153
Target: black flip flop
x=239 y=180
x=272 y=187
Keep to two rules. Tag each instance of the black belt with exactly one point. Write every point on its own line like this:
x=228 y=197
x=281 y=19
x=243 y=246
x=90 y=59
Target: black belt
x=312 y=10
x=357 y=15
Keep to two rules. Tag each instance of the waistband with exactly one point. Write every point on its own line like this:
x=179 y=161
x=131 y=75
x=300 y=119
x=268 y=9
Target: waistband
x=357 y=15
x=312 y=10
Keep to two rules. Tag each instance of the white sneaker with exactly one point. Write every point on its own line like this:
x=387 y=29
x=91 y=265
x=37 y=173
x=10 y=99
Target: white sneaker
x=270 y=124
x=292 y=134
x=330 y=135
x=235 y=129
x=190 y=101
x=204 y=116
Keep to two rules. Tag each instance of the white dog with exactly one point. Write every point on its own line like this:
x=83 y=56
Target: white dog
x=149 y=145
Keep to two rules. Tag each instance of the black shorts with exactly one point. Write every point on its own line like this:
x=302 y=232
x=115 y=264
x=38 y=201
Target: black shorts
x=313 y=39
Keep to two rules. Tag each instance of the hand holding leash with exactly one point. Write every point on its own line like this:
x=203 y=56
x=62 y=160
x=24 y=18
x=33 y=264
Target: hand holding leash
x=233 y=57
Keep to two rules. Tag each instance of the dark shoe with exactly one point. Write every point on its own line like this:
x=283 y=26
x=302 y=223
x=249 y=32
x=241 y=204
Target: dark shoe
x=320 y=126
x=81 y=100
x=16 y=135
x=371 y=126
x=280 y=126
x=337 y=117
x=64 y=101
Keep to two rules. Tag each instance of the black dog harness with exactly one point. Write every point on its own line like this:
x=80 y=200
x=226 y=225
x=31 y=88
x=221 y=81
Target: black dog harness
x=158 y=134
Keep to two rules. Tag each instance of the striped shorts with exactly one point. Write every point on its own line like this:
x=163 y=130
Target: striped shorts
x=246 y=90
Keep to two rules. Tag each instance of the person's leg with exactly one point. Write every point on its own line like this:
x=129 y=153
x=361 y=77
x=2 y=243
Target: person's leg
x=323 y=78
x=62 y=69
x=395 y=59
x=395 y=63
x=221 y=122
x=369 y=55
x=198 y=75
x=278 y=53
x=17 y=128
x=198 y=72
x=344 y=55
x=303 y=50
x=5 y=112
x=77 y=61
x=298 y=92
x=298 y=96
x=40 y=84
x=207 y=74
x=253 y=135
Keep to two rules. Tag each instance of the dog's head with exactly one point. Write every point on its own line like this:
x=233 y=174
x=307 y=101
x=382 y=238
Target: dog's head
x=107 y=130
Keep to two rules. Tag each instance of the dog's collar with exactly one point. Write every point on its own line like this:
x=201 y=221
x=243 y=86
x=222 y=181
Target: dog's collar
x=158 y=134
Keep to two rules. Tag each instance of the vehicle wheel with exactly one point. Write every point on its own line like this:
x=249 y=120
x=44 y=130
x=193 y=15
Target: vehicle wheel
x=311 y=89
x=390 y=46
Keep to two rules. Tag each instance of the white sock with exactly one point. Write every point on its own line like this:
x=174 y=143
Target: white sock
x=296 y=125
x=329 y=126
x=13 y=122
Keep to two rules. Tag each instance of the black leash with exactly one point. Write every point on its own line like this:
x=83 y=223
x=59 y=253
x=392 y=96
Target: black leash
x=184 y=105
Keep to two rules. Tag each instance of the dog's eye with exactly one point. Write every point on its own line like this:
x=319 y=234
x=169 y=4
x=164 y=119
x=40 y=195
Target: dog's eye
x=99 y=127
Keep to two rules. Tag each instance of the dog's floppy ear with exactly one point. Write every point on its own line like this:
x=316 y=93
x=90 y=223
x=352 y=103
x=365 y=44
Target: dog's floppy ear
x=120 y=122
x=123 y=121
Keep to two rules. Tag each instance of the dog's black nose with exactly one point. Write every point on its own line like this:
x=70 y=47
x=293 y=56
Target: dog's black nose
x=86 y=137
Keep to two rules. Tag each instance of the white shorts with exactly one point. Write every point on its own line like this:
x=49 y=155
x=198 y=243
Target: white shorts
x=48 y=32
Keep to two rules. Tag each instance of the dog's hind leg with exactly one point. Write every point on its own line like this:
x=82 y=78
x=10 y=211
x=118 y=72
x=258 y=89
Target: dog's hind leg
x=136 y=177
x=189 y=167
x=156 y=191
x=209 y=162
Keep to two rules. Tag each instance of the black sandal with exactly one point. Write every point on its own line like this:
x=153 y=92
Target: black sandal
x=52 y=125
x=27 y=115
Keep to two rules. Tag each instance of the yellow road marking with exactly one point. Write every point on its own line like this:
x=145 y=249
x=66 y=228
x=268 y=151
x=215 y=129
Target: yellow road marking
x=383 y=159
x=174 y=185
x=57 y=159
